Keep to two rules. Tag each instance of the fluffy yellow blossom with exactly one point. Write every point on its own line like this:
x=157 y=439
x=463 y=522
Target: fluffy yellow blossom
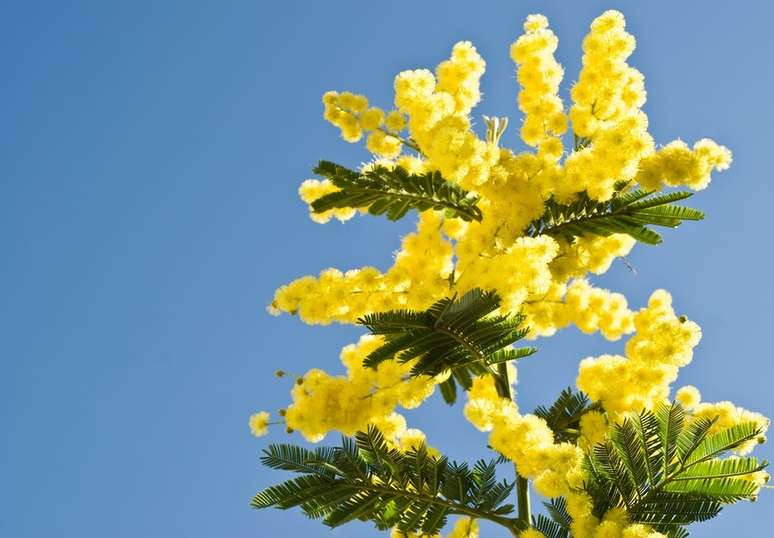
x=580 y=506
x=418 y=278
x=688 y=396
x=514 y=273
x=394 y=121
x=351 y=114
x=726 y=415
x=532 y=533
x=485 y=406
x=540 y=75
x=529 y=443
x=371 y=119
x=438 y=116
x=606 y=111
x=349 y=403
x=413 y=438
x=259 y=423
x=663 y=343
x=342 y=111
x=608 y=529
x=459 y=76
x=593 y=429
x=639 y=530
x=464 y=528
x=383 y=145
x=676 y=164
x=592 y=254
x=513 y=198
x=590 y=309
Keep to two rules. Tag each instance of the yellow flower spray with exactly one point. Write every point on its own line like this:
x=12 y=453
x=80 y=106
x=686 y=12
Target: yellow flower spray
x=536 y=265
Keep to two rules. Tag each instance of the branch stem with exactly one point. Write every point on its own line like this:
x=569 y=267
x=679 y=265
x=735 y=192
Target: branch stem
x=522 y=484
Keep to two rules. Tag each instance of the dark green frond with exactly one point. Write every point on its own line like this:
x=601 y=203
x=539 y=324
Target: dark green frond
x=394 y=192
x=462 y=335
x=666 y=509
x=366 y=479
x=627 y=212
x=719 y=479
x=557 y=509
x=298 y=459
x=718 y=444
x=563 y=416
x=668 y=474
x=676 y=532
x=671 y=419
x=549 y=528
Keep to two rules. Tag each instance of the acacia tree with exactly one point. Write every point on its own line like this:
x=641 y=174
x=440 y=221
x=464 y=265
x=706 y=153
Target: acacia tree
x=503 y=244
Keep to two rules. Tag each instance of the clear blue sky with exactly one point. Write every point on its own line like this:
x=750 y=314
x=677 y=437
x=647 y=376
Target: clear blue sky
x=150 y=154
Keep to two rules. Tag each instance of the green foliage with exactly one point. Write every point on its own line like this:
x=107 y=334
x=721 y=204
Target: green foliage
x=549 y=528
x=365 y=479
x=558 y=524
x=394 y=191
x=627 y=212
x=461 y=335
x=667 y=473
x=564 y=415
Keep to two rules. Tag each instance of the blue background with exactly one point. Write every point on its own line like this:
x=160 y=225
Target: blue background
x=150 y=154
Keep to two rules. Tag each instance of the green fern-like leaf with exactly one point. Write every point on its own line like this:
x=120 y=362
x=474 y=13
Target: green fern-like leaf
x=628 y=212
x=668 y=474
x=563 y=416
x=462 y=335
x=367 y=480
x=394 y=192
x=548 y=527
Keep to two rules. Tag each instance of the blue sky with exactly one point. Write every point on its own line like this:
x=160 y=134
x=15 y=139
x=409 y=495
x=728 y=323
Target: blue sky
x=149 y=159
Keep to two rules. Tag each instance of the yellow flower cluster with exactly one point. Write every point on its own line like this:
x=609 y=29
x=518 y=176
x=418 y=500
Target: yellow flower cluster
x=590 y=309
x=438 y=120
x=349 y=403
x=259 y=423
x=515 y=272
x=513 y=197
x=593 y=429
x=607 y=89
x=662 y=344
x=459 y=77
x=350 y=113
x=614 y=524
x=418 y=278
x=530 y=273
x=606 y=111
x=727 y=415
x=529 y=443
x=676 y=164
x=688 y=396
x=485 y=406
x=543 y=277
x=464 y=528
x=540 y=75
x=524 y=439
x=592 y=254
